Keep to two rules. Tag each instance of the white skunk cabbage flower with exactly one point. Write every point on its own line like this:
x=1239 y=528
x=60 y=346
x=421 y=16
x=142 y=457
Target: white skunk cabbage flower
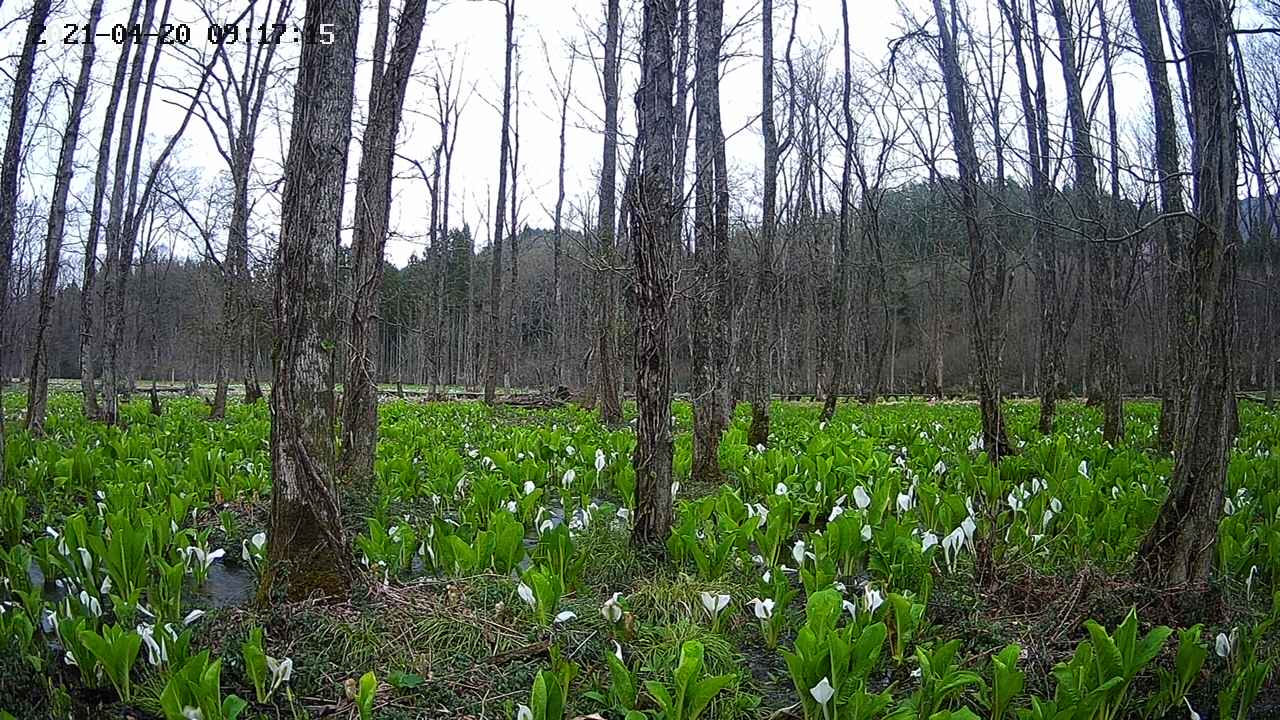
x=281 y=671
x=611 y=610
x=762 y=608
x=861 y=498
x=714 y=604
x=872 y=598
x=822 y=692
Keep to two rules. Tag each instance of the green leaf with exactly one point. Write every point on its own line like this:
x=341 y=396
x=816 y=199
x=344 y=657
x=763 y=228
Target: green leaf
x=704 y=692
x=404 y=680
x=1110 y=662
x=232 y=706
x=660 y=694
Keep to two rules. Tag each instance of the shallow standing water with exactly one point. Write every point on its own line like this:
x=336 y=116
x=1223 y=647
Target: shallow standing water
x=227 y=586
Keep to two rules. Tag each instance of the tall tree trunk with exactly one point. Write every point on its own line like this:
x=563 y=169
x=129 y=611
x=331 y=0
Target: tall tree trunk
x=1262 y=228
x=1146 y=24
x=38 y=384
x=985 y=279
x=840 y=282
x=308 y=551
x=762 y=331
x=1046 y=256
x=561 y=336
x=493 y=333
x=709 y=331
x=1107 y=380
x=121 y=216
x=512 y=333
x=241 y=297
x=243 y=131
x=608 y=383
x=373 y=209
x=88 y=289
x=9 y=172
x=1180 y=546
x=652 y=245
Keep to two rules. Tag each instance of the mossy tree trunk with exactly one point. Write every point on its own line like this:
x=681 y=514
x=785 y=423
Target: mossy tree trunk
x=1179 y=548
x=307 y=549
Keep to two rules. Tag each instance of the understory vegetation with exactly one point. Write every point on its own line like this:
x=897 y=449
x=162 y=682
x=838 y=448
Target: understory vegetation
x=876 y=565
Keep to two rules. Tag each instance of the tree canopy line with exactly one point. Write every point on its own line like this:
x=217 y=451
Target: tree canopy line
x=973 y=213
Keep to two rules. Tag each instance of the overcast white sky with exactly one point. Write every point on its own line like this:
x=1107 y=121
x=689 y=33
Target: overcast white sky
x=471 y=32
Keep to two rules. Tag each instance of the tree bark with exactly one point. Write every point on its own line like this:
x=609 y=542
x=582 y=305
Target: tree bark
x=561 y=330
x=1146 y=24
x=986 y=281
x=120 y=218
x=1050 y=331
x=493 y=333
x=709 y=331
x=9 y=171
x=373 y=209
x=608 y=384
x=240 y=122
x=38 y=384
x=762 y=331
x=1179 y=548
x=88 y=289
x=652 y=243
x=1262 y=228
x=840 y=281
x=307 y=551
x=1104 y=312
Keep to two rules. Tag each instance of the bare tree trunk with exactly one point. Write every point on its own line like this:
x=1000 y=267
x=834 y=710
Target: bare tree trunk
x=493 y=332
x=1146 y=23
x=709 y=331
x=1045 y=265
x=608 y=384
x=308 y=551
x=241 y=122
x=1262 y=227
x=218 y=409
x=449 y=108
x=120 y=218
x=652 y=247
x=507 y=363
x=9 y=178
x=1180 y=546
x=560 y=339
x=38 y=384
x=1107 y=380
x=373 y=208
x=840 y=282
x=762 y=331
x=985 y=279
x=88 y=289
